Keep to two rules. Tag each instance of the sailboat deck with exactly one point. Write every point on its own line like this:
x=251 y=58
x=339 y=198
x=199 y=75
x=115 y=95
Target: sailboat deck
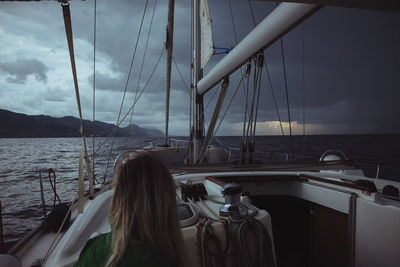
x=281 y=198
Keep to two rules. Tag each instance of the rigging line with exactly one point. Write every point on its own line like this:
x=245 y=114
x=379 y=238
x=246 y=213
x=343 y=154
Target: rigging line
x=244 y=137
x=235 y=35
x=304 y=90
x=255 y=98
x=227 y=108
x=211 y=128
x=191 y=73
x=260 y=65
x=94 y=85
x=257 y=87
x=252 y=13
x=132 y=106
x=109 y=136
x=233 y=22
x=180 y=74
x=70 y=41
x=287 y=97
x=133 y=58
x=273 y=96
x=190 y=97
x=126 y=86
x=143 y=58
x=248 y=112
x=209 y=102
x=269 y=77
x=57 y=237
x=248 y=71
x=222 y=144
x=258 y=62
x=250 y=124
x=144 y=88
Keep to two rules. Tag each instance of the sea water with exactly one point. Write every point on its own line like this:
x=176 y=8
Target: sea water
x=21 y=159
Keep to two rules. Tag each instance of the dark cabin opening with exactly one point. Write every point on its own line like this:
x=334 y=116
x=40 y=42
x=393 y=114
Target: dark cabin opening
x=305 y=233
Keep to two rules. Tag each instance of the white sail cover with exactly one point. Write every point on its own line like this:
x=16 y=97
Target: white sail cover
x=281 y=20
x=206 y=46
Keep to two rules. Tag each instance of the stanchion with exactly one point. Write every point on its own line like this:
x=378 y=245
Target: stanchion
x=2 y=245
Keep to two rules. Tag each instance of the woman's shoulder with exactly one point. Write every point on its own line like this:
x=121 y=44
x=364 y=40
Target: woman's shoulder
x=143 y=254
x=101 y=242
x=95 y=252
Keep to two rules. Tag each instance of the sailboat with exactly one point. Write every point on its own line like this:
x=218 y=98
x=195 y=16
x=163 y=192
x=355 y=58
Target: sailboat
x=322 y=214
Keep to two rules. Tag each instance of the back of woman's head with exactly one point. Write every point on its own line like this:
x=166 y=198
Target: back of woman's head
x=144 y=206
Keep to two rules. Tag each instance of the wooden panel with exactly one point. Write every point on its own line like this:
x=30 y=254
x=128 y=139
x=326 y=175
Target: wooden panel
x=329 y=237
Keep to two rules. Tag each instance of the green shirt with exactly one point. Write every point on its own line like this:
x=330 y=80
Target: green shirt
x=97 y=251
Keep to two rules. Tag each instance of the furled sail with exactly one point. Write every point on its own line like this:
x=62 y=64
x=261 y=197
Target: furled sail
x=207 y=46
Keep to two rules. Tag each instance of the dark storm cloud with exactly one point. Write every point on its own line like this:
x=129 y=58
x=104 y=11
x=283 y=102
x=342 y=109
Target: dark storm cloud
x=19 y=70
x=355 y=61
x=350 y=68
x=354 y=57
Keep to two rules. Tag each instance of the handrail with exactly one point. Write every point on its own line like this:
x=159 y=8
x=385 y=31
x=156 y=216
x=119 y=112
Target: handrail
x=2 y=245
x=173 y=142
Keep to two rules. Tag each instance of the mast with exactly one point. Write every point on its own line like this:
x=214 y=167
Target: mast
x=197 y=99
x=169 y=46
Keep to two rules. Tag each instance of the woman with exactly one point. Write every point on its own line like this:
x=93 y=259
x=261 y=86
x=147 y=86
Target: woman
x=143 y=218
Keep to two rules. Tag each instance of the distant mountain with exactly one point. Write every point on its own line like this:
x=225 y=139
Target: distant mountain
x=21 y=125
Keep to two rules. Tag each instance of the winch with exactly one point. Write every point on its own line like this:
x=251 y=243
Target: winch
x=232 y=206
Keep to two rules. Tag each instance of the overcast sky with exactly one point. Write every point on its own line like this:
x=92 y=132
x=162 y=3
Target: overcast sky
x=351 y=65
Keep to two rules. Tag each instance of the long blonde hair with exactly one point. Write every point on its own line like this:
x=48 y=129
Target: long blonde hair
x=144 y=207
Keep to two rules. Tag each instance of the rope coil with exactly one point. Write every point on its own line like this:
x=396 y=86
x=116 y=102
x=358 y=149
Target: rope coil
x=259 y=253
x=210 y=248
